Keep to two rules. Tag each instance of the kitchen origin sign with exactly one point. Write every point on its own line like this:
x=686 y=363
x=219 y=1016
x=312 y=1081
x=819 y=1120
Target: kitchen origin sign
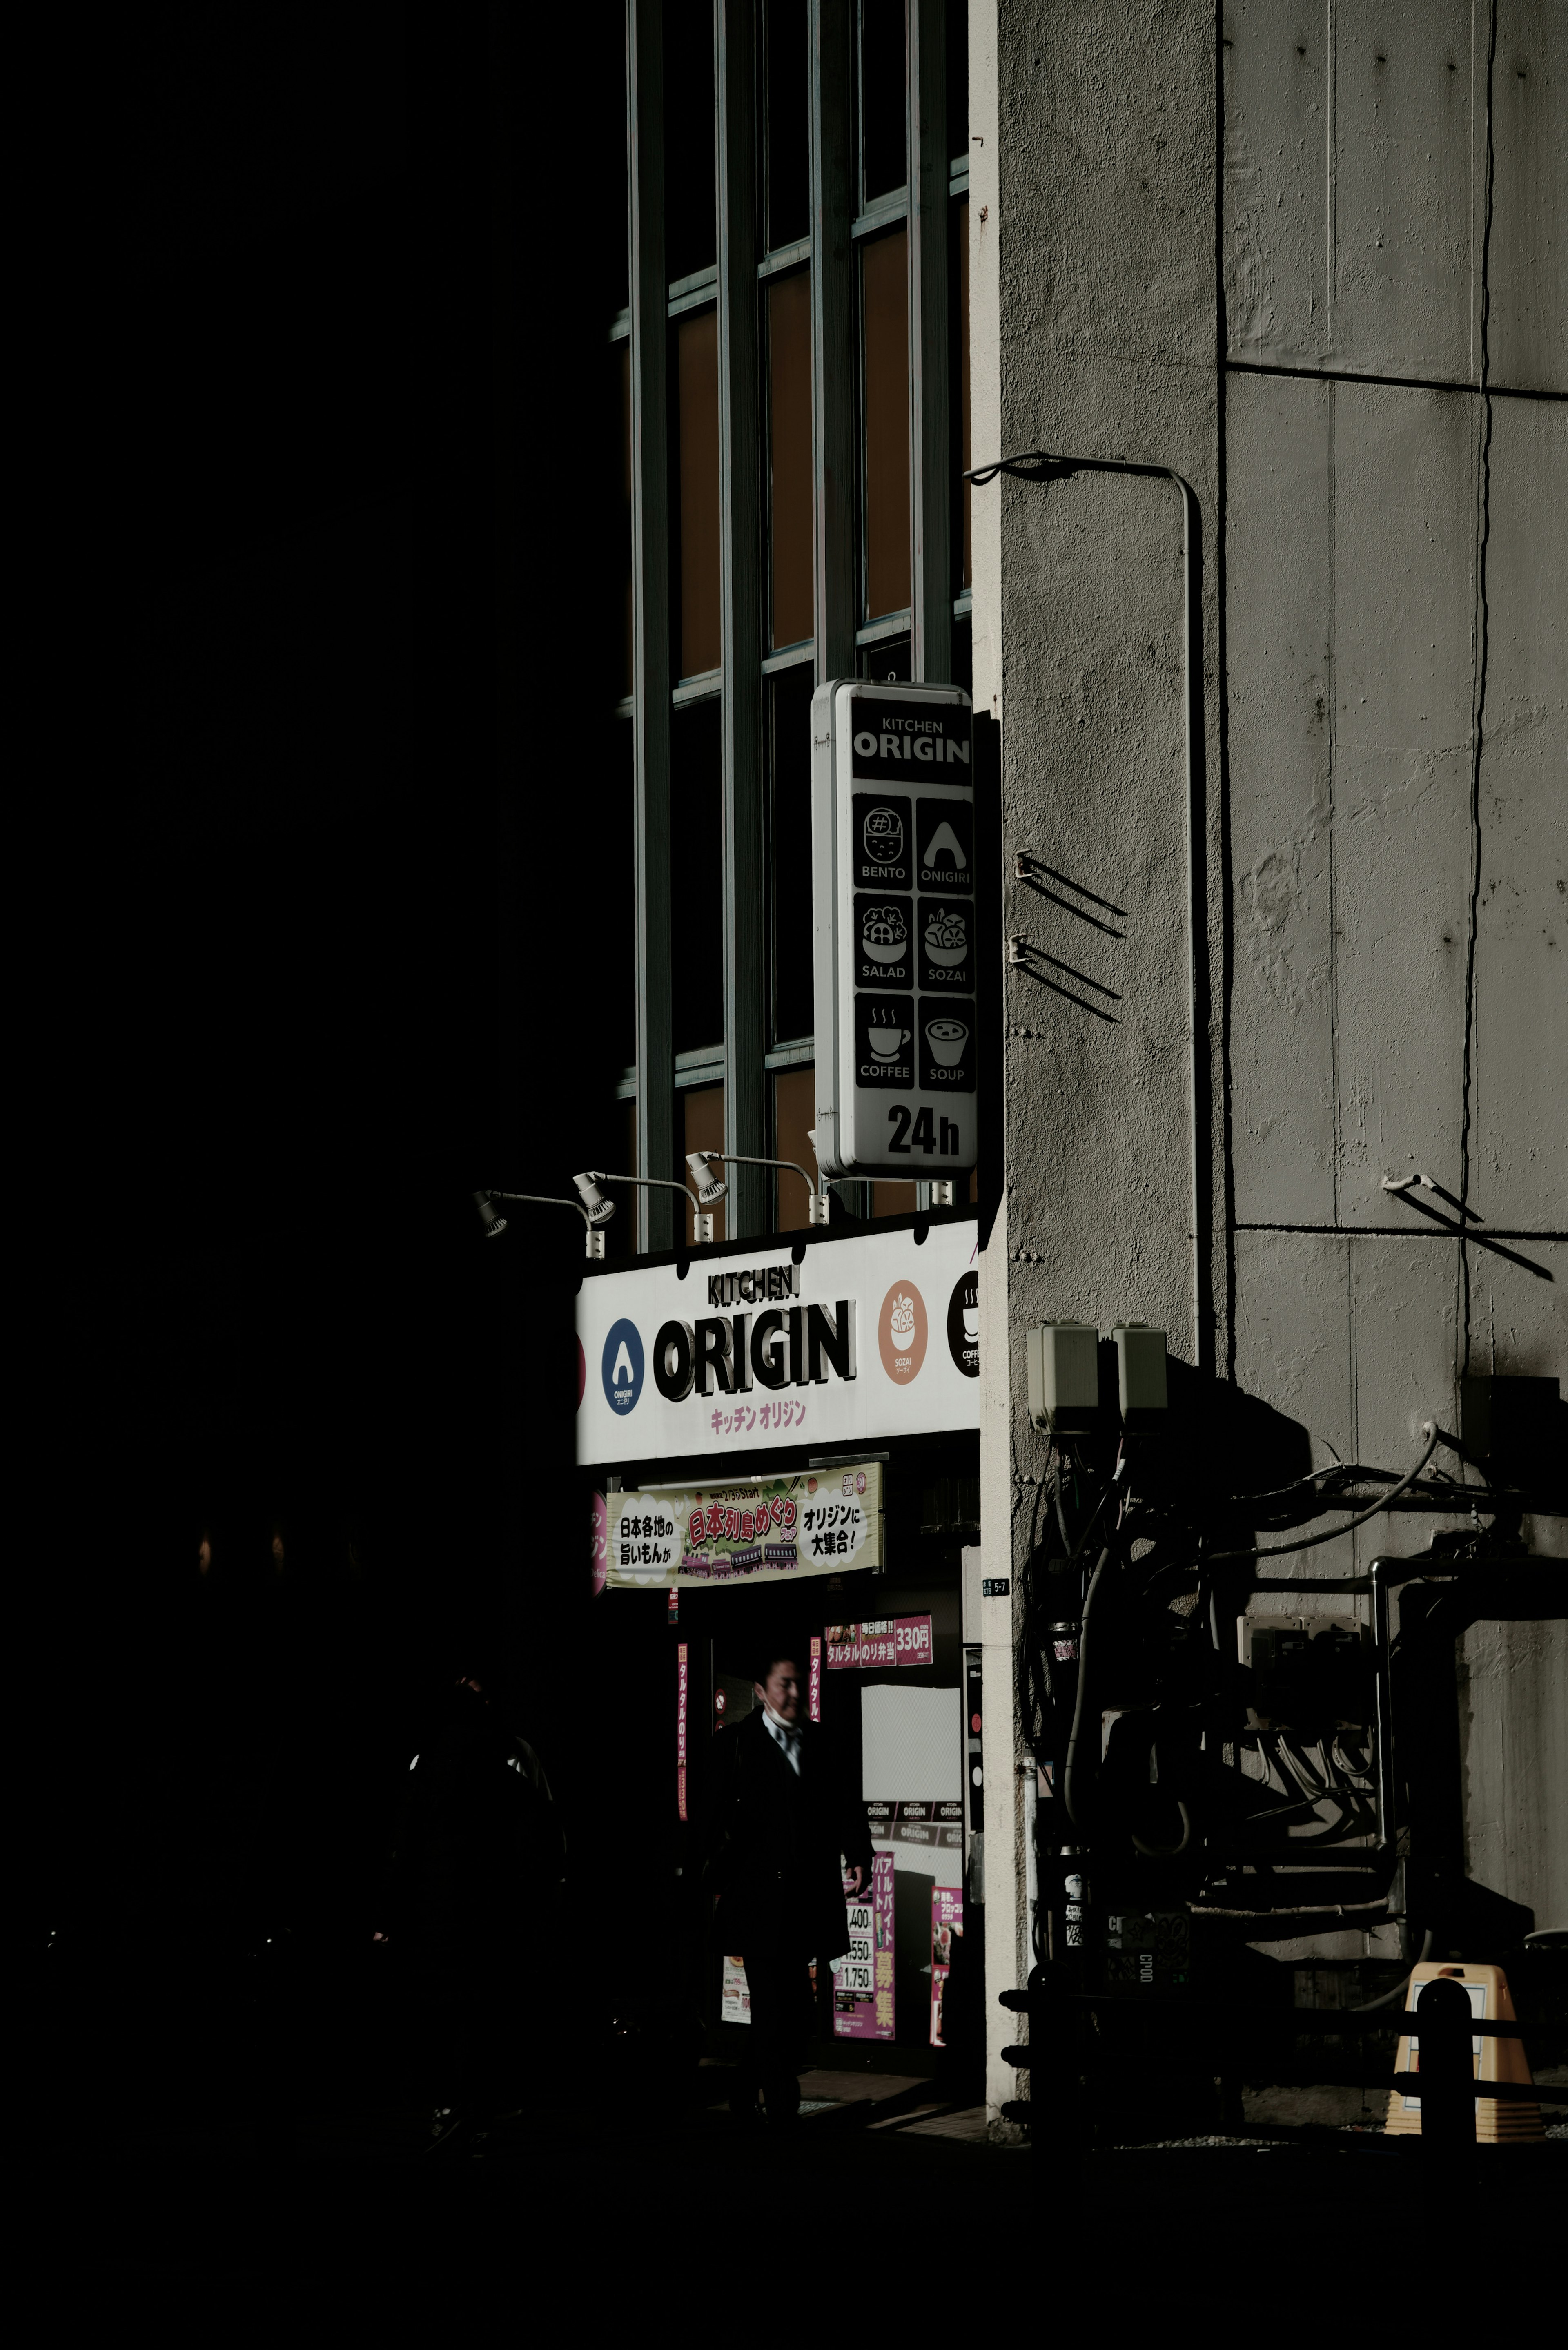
x=852 y=1343
x=893 y=920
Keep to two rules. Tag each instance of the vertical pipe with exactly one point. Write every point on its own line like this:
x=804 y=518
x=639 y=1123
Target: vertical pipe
x=650 y=610
x=833 y=369
x=740 y=472
x=931 y=569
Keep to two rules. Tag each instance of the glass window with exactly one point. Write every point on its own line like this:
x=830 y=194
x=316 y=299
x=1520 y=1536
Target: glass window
x=891 y=662
x=892 y=1199
x=789 y=795
x=697 y=397
x=621 y=1232
x=789 y=456
x=696 y=876
x=702 y=1123
x=620 y=357
x=788 y=123
x=794 y=1115
x=617 y=836
x=960 y=278
x=884 y=107
x=885 y=412
x=958 y=77
x=690 y=206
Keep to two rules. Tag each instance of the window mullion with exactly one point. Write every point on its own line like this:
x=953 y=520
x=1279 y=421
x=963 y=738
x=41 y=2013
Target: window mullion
x=930 y=516
x=735 y=81
x=650 y=611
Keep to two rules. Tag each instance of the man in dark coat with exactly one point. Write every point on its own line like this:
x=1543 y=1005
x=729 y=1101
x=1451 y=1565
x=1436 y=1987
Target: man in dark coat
x=479 y=1865
x=783 y=1830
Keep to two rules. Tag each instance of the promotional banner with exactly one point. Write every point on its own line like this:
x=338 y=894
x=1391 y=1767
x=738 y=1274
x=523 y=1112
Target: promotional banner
x=869 y=1336
x=863 y=1979
x=759 y=1529
x=887 y=1640
x=682 y=1700
x=735 y=1995
x=947 y=1927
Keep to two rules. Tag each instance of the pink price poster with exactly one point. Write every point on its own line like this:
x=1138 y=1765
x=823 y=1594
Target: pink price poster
x=863 y=1978
x=886 y=1640
x=946 y=1927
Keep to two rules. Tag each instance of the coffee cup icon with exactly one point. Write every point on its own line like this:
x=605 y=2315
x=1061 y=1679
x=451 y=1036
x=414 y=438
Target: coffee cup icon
x=971 y=1323
x=947 y=1039
x=887 y=1042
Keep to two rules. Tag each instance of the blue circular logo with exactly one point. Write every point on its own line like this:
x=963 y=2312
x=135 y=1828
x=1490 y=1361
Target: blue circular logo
x=621 y=1368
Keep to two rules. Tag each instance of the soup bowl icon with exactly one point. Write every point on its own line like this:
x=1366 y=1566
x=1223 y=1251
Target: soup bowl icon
x=947 y=1039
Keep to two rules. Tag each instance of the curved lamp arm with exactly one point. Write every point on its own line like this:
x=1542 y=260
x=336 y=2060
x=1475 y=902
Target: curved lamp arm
x=663 y=1183
x=821 y=1199
x=495 y=1224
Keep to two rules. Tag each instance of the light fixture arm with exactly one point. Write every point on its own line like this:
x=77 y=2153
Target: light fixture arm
x=594 y=1240
x=818 y=1191
x=543 y=1199
x=1041 y=466
x=658 y=1183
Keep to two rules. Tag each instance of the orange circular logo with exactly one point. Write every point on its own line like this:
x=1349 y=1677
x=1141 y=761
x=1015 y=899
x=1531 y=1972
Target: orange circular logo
x=901 y=1331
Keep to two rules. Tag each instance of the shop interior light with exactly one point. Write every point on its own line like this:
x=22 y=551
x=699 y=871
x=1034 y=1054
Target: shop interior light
x=711 y=1184
x=599 y=1208
x=494 y=1225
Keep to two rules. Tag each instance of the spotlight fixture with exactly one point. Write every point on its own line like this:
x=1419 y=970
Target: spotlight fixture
x=599 y=1209
x=494 y=1225
x=711 y=1184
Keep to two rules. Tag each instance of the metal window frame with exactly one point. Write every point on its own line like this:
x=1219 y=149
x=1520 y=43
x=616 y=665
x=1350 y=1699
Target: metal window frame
x=648 y=328
x=736 y=83
x=839 y=225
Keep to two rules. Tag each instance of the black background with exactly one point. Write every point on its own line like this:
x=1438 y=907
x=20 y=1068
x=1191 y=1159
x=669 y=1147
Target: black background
x=322 y=466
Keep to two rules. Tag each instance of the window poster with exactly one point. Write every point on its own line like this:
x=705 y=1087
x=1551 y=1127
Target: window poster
x=863 y=1978
x=946 y=1927
x=887 y=1640
x=735 y=1996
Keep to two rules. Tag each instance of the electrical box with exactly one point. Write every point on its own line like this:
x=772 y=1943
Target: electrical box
x=1063 y=1360
x=1309 y=1671
x=1513 y=1424
x=1140 y=1367
x=895 y=942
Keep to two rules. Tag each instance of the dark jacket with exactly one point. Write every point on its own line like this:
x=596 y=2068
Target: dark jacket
x=773 y=1844
x=479 y=1842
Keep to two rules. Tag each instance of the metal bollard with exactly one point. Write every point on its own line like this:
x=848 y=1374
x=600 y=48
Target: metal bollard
x=1448 y=2087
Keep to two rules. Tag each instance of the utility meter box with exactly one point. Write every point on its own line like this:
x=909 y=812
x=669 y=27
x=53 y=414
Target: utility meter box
x=1141 y=1369
x=1064 y=1361
x=893 y=919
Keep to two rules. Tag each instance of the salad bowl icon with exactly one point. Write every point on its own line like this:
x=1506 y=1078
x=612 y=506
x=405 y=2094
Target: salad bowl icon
x=884 y=934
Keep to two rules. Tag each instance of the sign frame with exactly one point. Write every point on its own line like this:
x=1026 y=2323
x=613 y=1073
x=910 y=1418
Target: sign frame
x=894 y=1100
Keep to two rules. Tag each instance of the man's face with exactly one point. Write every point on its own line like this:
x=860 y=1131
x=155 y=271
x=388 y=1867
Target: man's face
x=782 y=1689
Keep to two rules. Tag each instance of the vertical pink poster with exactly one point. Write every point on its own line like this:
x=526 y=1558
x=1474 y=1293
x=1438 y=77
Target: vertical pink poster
x=863 y=1979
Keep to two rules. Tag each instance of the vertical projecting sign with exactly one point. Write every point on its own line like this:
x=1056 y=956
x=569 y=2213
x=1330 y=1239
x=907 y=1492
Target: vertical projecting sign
x=893 y=913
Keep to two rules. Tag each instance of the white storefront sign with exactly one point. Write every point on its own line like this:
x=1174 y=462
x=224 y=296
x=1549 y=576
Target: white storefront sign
x=866 y=1338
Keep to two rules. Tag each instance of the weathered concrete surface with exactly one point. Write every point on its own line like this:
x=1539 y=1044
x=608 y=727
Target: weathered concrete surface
x=1355 y=181
x=1382 y=562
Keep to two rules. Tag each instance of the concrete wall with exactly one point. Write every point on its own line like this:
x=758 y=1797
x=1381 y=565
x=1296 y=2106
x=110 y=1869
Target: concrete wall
x=1314 y=260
